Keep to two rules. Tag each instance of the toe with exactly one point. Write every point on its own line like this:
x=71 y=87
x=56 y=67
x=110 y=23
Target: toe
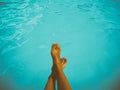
x=65 y=60
x=58 y=47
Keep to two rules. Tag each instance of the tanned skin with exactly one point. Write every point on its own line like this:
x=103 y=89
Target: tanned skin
x=57 y=73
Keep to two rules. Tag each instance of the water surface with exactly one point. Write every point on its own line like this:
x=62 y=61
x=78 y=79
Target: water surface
x=88 y=32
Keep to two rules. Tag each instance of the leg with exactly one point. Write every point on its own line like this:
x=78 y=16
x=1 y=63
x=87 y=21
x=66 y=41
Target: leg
x=51 y=83
x=52 y=78
x=63 y=83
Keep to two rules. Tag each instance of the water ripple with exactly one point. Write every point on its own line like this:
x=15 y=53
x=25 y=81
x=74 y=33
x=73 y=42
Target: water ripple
x=17 y=20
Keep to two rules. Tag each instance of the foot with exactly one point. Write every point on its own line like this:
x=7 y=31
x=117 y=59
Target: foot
x=63 y=62
x=58 y=63
x=55 y=53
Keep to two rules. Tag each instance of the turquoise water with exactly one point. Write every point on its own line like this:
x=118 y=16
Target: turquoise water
x=88 y=32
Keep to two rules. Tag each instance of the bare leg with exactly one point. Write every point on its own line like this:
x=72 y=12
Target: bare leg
x=52 y=78
x=51 y=83
x=63 y=83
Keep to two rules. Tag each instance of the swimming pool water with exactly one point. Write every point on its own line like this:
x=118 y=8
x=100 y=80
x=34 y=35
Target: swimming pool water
x=88 y=32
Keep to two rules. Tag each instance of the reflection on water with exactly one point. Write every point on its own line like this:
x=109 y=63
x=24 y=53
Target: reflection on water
x=89 y=27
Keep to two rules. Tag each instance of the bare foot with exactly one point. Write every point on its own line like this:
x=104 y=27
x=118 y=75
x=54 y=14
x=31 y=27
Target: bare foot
x=55 y=53
x=63 y=62
x=57 y=61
